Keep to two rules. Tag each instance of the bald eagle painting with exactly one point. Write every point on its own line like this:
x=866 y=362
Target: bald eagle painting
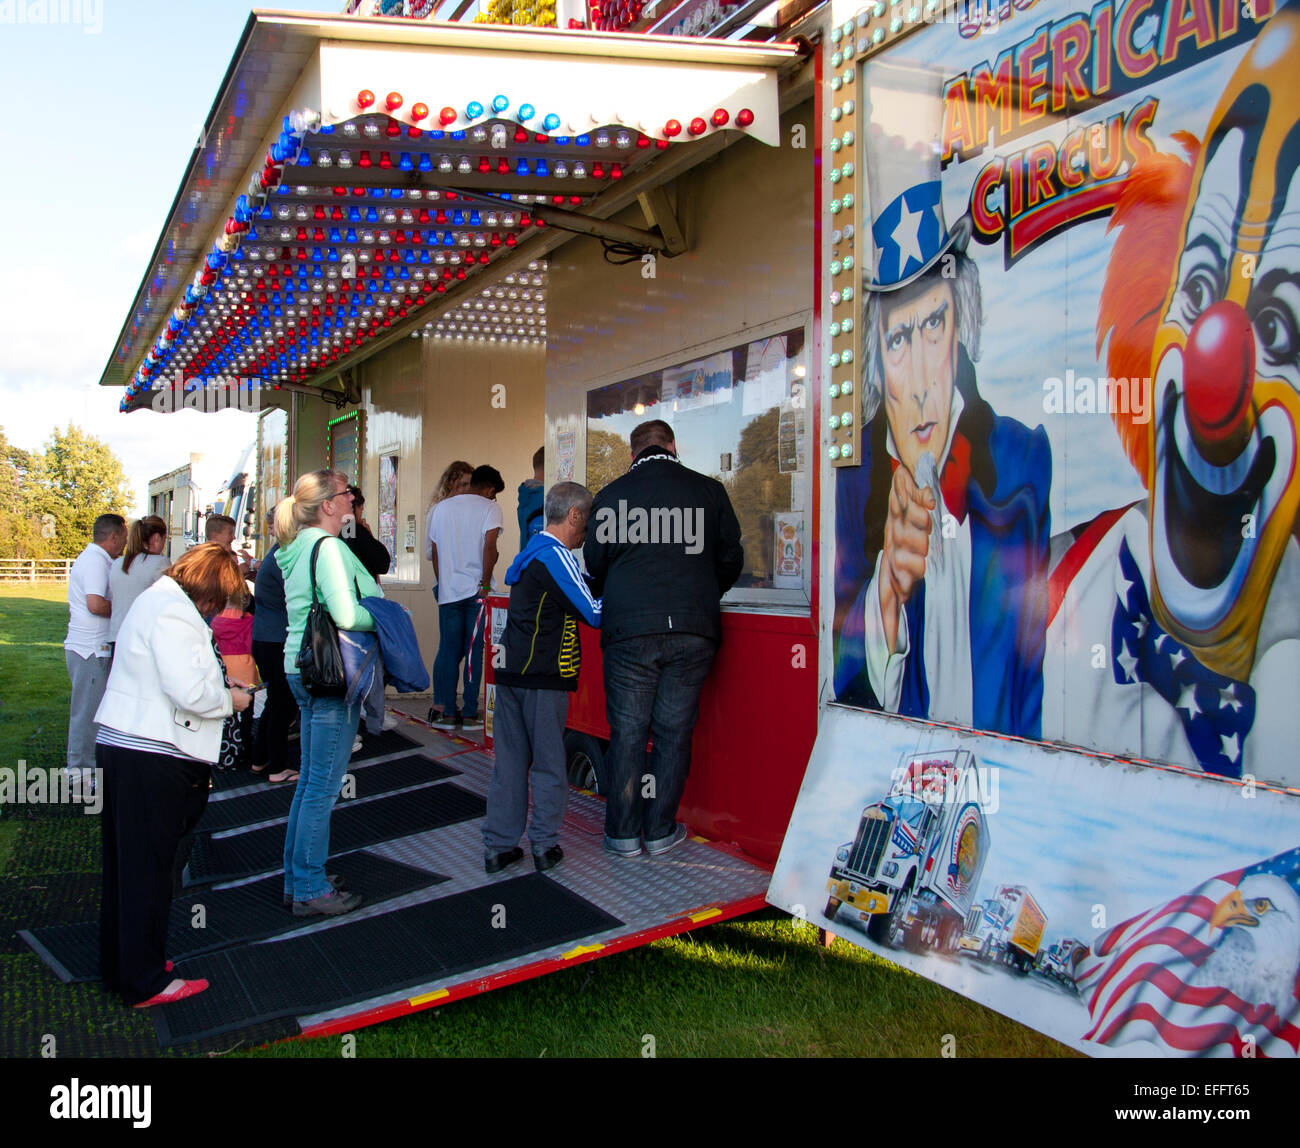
x=1211 y=973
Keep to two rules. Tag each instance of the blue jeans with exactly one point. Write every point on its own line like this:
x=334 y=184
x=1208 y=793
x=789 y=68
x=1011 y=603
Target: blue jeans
x=327 y=730
x=652 y=687
x=455 y=629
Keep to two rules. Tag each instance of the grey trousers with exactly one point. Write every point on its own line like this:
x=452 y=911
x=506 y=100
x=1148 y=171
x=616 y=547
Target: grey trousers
x=89 y=677
x=527 y=730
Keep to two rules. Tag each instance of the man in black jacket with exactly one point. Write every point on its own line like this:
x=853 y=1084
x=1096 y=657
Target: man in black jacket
x=663 y=547
x=548 y=597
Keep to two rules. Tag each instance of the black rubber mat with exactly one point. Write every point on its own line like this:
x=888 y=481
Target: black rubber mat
x=56 y=898
x=356 y=961
x=272 y=801
x=372 y=745
x=353 y=825
x=229 y=917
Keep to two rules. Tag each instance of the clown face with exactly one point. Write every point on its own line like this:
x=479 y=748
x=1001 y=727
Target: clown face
x=1222 y=479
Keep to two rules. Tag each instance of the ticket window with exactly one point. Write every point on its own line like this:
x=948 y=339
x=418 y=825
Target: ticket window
x=741 y=414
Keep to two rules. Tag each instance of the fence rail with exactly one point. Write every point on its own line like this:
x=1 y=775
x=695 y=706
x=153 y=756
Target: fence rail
x=35 y=569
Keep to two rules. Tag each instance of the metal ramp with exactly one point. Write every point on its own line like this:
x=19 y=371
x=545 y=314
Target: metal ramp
x=461 y=934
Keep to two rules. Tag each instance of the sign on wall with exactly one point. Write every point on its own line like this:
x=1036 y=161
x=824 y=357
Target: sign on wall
x=1066 y=509
x=1065 y=892
x=1074 y=510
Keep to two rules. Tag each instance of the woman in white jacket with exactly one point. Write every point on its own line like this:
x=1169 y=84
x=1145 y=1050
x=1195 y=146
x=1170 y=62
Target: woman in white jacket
x=159 y=733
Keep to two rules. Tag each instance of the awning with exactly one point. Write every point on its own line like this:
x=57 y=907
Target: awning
x=356 y=174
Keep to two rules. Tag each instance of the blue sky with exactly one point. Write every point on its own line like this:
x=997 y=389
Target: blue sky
x=103 y=115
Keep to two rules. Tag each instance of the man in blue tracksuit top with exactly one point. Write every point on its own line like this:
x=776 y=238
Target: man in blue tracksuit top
x=548 y=597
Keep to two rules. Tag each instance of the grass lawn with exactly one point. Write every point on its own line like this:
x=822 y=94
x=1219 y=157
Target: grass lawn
x=758 y=986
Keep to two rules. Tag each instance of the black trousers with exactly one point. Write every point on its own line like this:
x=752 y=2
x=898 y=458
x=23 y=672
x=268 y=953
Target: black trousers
x=151 y=801
x=271 y=742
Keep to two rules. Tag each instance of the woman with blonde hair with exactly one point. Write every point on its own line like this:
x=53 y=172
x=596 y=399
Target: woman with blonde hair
x=454 y=480
x=159 y=735
x=138 y=567
x=307 y=526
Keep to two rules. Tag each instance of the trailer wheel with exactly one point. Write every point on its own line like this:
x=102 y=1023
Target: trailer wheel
x=585 y=761
x=832 y=907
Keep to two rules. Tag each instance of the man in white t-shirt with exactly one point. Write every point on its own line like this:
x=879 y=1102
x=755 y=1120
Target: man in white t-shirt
x=86 y=650
x=463 y=533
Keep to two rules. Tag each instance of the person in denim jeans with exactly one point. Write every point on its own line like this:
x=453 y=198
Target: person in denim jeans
x=463 y=533
x=660 y=628
x=315 y=513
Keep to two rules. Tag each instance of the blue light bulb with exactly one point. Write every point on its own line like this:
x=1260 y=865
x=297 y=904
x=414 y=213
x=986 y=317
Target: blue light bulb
x=406 y=163
x=499 y=103
x=551 y=122
x=473 y=110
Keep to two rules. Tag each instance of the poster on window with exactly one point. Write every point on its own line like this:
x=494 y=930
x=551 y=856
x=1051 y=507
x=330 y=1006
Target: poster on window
x=388 y=501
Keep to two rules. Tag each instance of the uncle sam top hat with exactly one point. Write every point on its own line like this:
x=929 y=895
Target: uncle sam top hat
x=908 y=230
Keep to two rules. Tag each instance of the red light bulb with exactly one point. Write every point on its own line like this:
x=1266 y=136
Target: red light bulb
x=720 y=117
x=672 y=128
x=698 y=127
x=744 y=118
x=365 y=98
x=447 y=116
x=393 y=101
x=419 y=112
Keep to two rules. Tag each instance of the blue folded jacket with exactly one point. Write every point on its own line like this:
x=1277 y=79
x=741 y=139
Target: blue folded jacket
x=393 y=646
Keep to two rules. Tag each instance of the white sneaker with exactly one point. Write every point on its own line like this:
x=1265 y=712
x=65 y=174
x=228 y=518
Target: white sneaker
x=356 y=744
x=391 y=721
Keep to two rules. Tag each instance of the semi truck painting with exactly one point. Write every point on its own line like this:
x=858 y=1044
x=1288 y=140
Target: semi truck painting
x=911 y=870
x=1005 y=929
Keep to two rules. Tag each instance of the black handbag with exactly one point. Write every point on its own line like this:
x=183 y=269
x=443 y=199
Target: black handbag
x=320 y=662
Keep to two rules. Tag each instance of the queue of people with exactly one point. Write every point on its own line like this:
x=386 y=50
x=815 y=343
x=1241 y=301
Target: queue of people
x=164 y=715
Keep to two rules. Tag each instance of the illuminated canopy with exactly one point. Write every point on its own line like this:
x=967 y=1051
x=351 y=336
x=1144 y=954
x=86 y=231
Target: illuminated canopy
x=357 y=176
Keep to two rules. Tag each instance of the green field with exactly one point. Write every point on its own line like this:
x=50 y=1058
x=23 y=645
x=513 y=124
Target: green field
x=758 y=986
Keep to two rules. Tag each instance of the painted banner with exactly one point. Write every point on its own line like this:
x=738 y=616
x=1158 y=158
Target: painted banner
x=1060 y=890
x=1076 y=513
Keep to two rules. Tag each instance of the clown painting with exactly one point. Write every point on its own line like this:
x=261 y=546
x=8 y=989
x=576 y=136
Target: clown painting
x=1180 y=614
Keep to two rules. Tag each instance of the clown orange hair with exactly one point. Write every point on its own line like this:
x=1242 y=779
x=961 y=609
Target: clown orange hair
x=1148 y=218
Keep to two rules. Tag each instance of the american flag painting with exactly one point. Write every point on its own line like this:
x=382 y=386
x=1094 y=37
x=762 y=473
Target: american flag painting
x=1208 y=974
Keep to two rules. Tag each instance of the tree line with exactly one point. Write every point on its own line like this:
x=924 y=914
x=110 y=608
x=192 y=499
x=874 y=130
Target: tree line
x=50 y=498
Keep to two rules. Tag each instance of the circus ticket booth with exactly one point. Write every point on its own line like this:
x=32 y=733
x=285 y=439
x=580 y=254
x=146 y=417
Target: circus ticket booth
x=1058 y=426
x=421 y=242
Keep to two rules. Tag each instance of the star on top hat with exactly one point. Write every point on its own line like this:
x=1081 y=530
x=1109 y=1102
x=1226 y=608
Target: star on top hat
x=908 y=229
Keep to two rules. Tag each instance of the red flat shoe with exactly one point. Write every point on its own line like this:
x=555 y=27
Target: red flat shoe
x=171 y=996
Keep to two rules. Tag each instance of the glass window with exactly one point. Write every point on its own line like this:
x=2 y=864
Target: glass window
x=739 y=415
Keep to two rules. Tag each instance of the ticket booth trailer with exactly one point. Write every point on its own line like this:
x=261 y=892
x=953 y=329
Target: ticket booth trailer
x=373 y=189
